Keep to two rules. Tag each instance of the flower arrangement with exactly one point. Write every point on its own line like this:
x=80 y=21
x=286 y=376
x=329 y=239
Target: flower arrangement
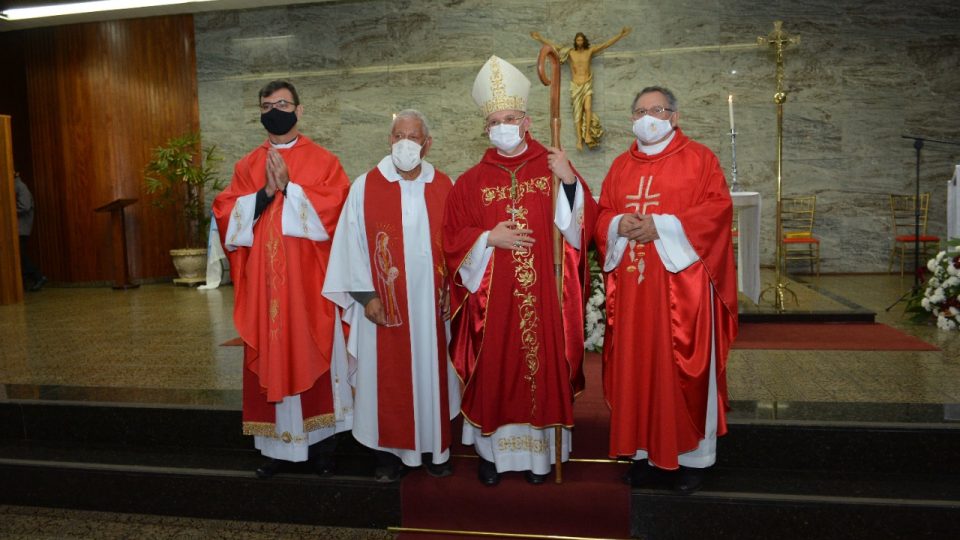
x=941 y=298
x=595 y=320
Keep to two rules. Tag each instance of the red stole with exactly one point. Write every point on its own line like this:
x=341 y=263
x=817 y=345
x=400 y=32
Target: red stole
x=395 y=411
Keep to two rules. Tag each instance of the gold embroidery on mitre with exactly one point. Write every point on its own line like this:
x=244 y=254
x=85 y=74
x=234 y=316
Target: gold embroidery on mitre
x=500 y=101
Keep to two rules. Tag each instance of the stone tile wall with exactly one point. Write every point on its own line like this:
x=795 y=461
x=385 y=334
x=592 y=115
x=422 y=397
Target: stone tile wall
x=865 y=73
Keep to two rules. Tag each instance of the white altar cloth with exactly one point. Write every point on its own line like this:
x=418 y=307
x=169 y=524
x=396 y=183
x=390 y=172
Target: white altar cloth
x=748 y=204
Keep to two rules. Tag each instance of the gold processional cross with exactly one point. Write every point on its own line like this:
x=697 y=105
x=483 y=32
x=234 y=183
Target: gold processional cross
x=779 y=40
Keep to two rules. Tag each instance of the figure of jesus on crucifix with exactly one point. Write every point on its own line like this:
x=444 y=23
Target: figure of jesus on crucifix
x=588 y=127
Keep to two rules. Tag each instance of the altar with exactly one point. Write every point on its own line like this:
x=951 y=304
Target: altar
x=748 y=204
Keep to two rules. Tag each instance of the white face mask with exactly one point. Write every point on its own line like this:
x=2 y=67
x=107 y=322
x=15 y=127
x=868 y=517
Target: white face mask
x=405 y=154
x=506 y=137
x=650 y=130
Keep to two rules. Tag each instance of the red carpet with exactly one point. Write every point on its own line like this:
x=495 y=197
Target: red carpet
x=827 y=336
x=591 y=502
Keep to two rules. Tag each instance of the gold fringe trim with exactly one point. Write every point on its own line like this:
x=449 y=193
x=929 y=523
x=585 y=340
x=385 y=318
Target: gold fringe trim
x=318 y=422
x=269 y=429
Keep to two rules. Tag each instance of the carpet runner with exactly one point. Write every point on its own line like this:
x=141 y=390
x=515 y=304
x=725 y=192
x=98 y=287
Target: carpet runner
x=827 y=336
x=591 y=502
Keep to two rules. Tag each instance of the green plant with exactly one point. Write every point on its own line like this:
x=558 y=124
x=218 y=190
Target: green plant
x=181 y=173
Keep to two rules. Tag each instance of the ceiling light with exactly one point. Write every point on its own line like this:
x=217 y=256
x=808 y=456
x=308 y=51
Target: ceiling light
x=39 y=12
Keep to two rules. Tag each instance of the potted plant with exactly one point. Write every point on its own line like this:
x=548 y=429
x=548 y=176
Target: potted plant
x=181 y=173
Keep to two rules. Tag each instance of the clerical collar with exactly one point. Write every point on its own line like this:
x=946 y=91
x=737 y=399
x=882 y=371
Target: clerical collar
x=285 y=145
x=654 y=149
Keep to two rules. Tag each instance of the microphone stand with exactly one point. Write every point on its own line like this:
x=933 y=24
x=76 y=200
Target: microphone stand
x=918 y=145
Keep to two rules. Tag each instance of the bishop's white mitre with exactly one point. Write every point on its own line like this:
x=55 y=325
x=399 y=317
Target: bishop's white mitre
x=500 y=86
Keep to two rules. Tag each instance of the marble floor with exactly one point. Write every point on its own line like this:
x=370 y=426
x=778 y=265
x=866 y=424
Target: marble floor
x=164 y=344
x=32 y=523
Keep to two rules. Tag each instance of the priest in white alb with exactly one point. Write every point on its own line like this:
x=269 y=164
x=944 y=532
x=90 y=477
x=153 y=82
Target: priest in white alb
x=387 y=274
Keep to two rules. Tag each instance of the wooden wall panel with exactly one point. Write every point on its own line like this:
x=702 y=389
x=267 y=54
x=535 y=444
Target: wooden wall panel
x=11 y=283
x=102 y=96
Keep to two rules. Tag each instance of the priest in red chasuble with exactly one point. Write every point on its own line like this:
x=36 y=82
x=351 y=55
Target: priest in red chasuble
x=387 y=273
x=276 y=220
x=517 y=348
x=664 y=235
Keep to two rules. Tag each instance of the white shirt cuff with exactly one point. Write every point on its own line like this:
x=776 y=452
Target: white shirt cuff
x=616 y=245
x=673 y=246
x=300 y=219
x=564 y=216
x=240 y=226
x=474 y=266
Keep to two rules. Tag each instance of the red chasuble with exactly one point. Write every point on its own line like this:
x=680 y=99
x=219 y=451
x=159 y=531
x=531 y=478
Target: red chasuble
x=658 y=337
x=517 y=350
x=286 y=324
x=384 y=224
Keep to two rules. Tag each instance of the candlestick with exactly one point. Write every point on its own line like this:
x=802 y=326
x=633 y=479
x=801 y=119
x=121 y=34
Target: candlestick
x=734 y=185
x=730 y=104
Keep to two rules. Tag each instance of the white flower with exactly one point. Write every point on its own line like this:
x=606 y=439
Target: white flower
x=942 y=287
x=937 y=297
x=945 y=324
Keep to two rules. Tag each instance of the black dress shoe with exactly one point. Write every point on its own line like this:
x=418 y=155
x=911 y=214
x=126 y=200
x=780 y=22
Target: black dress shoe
x=324 y=465
x=487 y=473
x=38 y=284
x=641 y=474
x=322 y=456
x=439 y=470
x=386 y=474
x=270 y=468
x=688 y=480
x=534 y=478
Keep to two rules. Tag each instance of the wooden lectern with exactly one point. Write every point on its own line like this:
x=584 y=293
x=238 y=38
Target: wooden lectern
x=121 y=270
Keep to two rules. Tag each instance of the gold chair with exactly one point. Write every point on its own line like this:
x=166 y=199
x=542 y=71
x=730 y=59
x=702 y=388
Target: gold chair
x=903 y=210
x=799 y=243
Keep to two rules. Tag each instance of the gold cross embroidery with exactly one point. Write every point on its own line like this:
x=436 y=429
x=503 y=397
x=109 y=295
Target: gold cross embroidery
x=643 y=195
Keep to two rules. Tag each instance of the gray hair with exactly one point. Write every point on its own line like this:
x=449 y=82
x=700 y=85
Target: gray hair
x=412 y=113
x=671 y=99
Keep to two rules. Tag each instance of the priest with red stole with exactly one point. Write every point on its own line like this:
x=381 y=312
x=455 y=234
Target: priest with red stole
x=387 y=273
x=671 y=299
x=517 y=348
x=276 y=220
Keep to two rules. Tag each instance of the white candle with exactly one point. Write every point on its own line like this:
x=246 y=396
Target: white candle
x=730 y=104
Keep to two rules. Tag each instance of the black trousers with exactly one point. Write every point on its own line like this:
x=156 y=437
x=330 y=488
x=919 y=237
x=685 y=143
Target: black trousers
x=28 y=269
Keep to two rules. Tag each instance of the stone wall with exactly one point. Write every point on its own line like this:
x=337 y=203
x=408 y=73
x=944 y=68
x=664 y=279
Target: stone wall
x=864 y=74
